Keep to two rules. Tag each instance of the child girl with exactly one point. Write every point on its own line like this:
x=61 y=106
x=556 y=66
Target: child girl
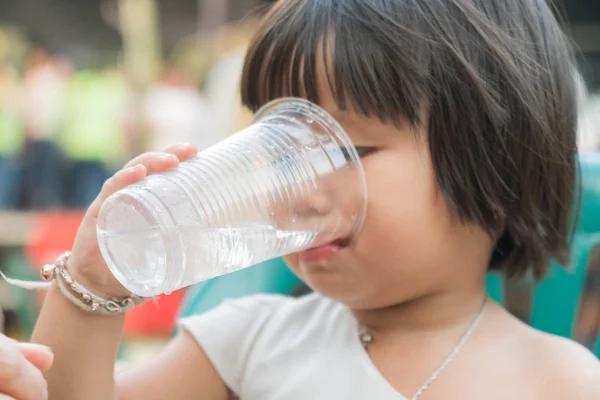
x=467 y=112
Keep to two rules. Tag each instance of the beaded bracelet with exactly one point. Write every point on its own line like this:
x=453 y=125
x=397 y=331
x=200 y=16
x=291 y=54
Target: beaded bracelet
x=81 y=296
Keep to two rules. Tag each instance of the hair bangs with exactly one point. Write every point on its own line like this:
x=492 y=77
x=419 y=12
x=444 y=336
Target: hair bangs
x=301 y=48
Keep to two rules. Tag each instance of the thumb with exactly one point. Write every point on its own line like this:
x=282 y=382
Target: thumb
x=40 y=356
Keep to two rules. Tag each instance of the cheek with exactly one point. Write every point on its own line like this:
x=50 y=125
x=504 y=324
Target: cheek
x=406 y=209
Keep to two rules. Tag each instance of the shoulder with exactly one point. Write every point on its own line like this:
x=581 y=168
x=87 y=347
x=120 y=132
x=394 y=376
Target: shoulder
x=259 y=311
x=271 y=303
x=239 y=311
x=540 y=365
x=240 y=334
x=569 y=370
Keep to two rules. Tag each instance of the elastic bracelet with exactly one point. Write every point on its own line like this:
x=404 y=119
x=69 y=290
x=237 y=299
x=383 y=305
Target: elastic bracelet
x=81 y=296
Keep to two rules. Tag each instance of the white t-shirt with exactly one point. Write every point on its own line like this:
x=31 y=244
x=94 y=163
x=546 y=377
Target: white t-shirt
x=268 y=347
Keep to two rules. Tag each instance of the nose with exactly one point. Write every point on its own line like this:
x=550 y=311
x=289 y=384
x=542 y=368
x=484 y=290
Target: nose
x=330 y=206
x=313 y=204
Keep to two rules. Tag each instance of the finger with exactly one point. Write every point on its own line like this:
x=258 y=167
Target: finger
x=155 y=161
x=5 y=397
x=183 y=151
x=19 y=378
x=40 y=356
x=118 y=181
x=159 y=161
x=141 y=166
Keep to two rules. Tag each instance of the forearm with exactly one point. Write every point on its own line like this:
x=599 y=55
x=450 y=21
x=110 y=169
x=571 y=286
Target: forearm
x=85 y=345
x=85 y=348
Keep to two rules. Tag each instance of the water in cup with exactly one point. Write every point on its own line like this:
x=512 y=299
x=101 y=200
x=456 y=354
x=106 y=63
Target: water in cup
x=290 y=181
x=208 y=252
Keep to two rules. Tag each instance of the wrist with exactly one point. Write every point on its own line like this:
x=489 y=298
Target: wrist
x=55 y=292
x=103 y=285
x=73 y=288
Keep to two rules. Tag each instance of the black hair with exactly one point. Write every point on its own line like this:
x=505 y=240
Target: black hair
x=496 y=77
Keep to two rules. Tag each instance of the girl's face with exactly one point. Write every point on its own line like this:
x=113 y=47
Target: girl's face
x=410 y=243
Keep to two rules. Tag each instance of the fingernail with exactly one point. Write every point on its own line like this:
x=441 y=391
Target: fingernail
x=135 y=168
x=47 y=349
x=37 y=347
x=181 y=146
x=45 y=394
x=168 y=156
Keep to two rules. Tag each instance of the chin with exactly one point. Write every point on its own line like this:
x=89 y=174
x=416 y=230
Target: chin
x=327 y=282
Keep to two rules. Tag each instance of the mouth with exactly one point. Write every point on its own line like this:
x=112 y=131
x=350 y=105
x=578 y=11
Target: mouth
x=325 y=252
x=343 y=243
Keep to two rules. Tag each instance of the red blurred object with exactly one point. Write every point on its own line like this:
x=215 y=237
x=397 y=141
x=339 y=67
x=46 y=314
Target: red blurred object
x=154 y=318
x=51 y=233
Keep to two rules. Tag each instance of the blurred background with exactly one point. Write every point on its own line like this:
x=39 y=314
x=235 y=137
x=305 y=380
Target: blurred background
x=85 y=85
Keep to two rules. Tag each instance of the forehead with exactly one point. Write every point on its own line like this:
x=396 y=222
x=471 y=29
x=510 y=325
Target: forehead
x=350 y=117
x=326 y=83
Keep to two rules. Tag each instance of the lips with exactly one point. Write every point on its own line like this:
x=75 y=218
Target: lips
x=325 y=252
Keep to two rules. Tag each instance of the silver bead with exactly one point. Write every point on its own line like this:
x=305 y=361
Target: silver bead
x=365 y=337
x=47 y=273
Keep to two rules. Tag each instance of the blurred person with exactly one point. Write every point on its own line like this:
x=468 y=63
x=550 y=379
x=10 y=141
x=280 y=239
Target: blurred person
x=93 y=133
x=42 y=100
x=589 y=118
x=176 y=112
x=222 y=81
x=465 y=114
x=589 y=139
x=587 y=327
x=222 y=88
x=11 y=139
x=223 y=94
x=21 y=370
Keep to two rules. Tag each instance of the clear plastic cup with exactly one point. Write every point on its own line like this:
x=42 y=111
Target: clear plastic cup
x=289 y=182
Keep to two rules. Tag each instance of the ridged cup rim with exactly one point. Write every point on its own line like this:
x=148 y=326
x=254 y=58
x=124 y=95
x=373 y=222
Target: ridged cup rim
x=333 y=126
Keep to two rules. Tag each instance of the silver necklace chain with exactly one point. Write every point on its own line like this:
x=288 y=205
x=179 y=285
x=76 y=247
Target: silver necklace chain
x=366 y=338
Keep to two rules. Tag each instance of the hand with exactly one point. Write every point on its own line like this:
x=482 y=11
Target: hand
x=86 y=265
x=21 y=368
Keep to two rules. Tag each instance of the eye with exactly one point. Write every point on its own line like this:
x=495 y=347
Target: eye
x=362 y=151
